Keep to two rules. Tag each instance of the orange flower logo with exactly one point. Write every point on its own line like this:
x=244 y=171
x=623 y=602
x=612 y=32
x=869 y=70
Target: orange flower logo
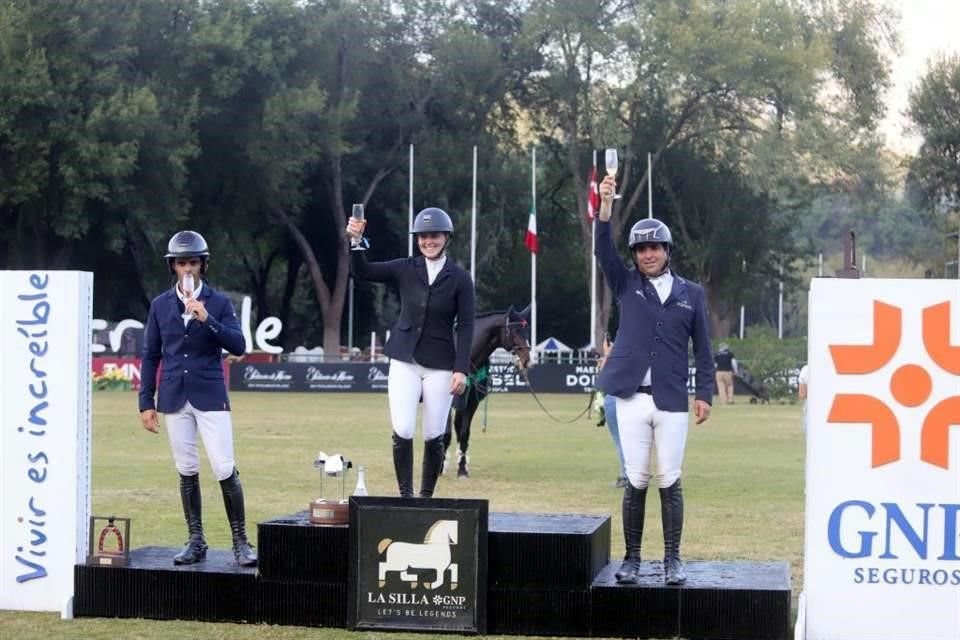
x=910 y=385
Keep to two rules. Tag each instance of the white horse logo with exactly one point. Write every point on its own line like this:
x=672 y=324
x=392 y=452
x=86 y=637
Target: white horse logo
x=433 y=554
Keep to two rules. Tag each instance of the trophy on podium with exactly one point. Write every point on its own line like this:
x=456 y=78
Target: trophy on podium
x=112 y=545
x=323 y=511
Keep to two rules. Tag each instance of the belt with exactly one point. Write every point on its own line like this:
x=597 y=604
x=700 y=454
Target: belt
x=645 y=389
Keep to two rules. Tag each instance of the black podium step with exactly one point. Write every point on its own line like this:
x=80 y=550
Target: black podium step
x=551 y=551
x=305 y=604
x=151 y=586
x=292 y=549
x=538 y=611
x=720 y=600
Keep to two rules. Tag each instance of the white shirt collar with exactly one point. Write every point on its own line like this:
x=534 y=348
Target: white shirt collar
x=665 y=278
x=663 y=284
x=434 y=267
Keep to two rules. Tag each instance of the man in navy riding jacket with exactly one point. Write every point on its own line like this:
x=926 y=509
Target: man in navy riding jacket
x=187 y=329
x=661 y=313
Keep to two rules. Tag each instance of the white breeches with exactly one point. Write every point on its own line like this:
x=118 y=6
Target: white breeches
x=215 y=428
x=642 y=426
x=406 y=384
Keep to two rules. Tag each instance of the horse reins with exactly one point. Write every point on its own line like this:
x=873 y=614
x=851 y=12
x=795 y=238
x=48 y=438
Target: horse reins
x=526 y=378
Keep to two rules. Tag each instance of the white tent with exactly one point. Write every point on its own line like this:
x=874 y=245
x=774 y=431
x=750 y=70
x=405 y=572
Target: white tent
x=552 y=349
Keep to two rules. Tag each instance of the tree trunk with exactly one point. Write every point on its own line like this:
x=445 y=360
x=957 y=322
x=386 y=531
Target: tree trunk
x=724 y=317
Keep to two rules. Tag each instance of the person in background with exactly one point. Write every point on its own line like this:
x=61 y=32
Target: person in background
x=726 y=364
x=187 y=329
x=608 y=416
x=803 y=379
x=428 y=360
x=661 y=313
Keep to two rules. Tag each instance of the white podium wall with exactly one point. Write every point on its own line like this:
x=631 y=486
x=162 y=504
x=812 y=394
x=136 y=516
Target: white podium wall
x=882 y=538
x=45 y=375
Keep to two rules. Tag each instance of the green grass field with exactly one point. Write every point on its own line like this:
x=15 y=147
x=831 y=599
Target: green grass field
x=743 y=482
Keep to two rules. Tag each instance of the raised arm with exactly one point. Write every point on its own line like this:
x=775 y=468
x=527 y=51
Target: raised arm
x=363 y=269
x=613 y=269
x=360 y=267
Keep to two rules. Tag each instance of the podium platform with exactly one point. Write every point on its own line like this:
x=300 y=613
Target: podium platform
x=720 y=600
x=548 y=574
x=151 y=586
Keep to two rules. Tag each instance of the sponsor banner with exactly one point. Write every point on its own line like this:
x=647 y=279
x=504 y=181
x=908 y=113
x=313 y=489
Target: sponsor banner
x=298 y=376
x=882 y=540
x=121 y=369
x=418 y=564
x=365 y=377
x=108 y=369
x=44 y=435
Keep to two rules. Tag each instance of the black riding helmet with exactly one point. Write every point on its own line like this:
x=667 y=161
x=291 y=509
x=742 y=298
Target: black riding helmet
x=187 y=244
x=432 y=220
x=651 y=231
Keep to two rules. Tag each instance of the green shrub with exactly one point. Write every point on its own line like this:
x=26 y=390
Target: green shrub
x=770 y=360
x=112 y=380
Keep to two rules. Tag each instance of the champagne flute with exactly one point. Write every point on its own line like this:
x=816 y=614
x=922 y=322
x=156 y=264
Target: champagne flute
x=188 y=285
x=357 y=213
x=613 y=164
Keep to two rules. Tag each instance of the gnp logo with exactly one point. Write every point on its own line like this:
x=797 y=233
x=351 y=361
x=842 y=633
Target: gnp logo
x=910 y=385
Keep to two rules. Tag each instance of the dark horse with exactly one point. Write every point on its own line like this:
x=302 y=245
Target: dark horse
x=491 y=330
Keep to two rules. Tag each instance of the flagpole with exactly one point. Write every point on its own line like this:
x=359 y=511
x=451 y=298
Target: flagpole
x=473 y=222
x=649 y=185
x=743 y=269
x=533 y=258
x=410 y=206
x=593 y=266
x=780 y=307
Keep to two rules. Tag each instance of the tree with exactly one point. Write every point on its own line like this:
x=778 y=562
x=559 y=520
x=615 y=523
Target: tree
x=728 y=81
x=93 y=147
x=935 y=110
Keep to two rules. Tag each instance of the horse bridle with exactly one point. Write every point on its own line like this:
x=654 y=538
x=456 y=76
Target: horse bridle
x=512 y=331
x=509 y=330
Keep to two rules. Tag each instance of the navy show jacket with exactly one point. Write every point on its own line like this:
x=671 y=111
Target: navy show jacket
x=424 y=332
x=192 y=355
x=654 y=336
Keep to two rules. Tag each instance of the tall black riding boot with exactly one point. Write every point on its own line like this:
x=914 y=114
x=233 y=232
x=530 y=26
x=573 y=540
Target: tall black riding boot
x=403 y=464
x=634 y=503
x=671 y=510
x=432 y=465
x=233 y=501
x=196 y=548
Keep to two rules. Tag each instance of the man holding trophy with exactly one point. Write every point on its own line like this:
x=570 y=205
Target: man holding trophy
x=187 y=328
x=660 y=314
x=427 y=361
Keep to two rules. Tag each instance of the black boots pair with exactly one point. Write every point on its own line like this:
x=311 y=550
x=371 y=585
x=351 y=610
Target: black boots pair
x=403 y=465
x=196 y=547
x=671 y=512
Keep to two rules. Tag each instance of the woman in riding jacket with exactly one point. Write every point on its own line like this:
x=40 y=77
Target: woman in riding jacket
x=428 y=360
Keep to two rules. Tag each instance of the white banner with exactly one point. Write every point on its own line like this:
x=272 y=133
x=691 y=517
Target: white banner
x=882 y=540
x=44 y=435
